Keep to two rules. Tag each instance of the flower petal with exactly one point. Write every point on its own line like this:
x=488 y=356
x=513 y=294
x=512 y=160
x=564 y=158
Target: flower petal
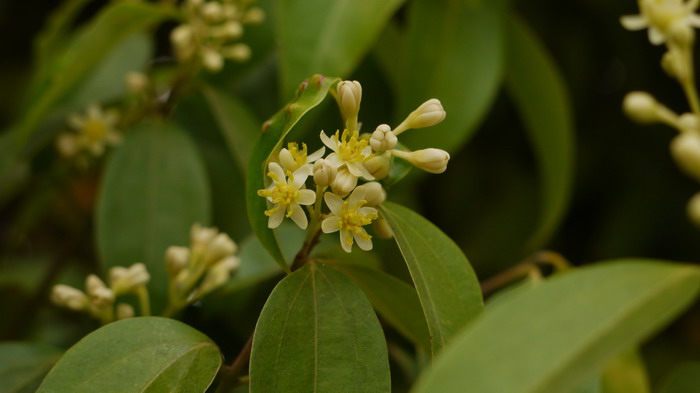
x=367 y=211
x=298 y=215
x=346 y=240
x=275 y=219
x=364 y=173
x=362 y=242
x=277 y=170
x=634 y=22
x=330 y=224
x=316 y=155
x=357 y=195
x=354 y=168
x=656 y=37
x=306 y=197
x=334 y=160
x=300 y=176
x=332 y=143
x=694 y=20
x=334 y=202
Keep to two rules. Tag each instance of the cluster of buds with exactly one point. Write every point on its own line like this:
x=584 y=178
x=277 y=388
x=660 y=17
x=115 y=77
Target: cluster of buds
x=98 y=300
x=92 y=132
x=200 y=269
x=672 y=22
x=211 y=30
x=354 y=157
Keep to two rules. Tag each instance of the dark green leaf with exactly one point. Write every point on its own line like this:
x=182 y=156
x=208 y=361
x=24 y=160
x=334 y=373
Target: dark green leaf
x=137 y=355
x=238 y=126
x=24 y=365
x=684 y=379
x=154 y=189
x=311 y=92
x=454 y=53
x=446 y=284
x=51 y=40
x=540 y=95
x=318 y=333
x=394 y=300
x=327 y=37
x=550 y=338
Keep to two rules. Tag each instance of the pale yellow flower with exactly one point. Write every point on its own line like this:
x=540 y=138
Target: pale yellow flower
x=663 y=18
x=96 y=129
x=292 y=158
x=349 y=217
x=287 y=195
x=349 y=150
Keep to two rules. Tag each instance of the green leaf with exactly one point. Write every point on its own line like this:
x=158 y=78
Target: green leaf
x=311 y=92
x=394 y=300
x=540 y=95
x=51 y=39
x=327 y=37
x=24 y=365
x=137 y=355
x=115 y=23
x=684 y=379
x=154 y=189
x=551 y=337
x=318 y=333
x=455 y=54
x=238 y=126
x=625 y=373
x=446 y=284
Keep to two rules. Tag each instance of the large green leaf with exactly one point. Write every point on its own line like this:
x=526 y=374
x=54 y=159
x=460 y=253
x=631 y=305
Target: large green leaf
x=51 y=39
x=154 y=189
x=238 y=126
x=394 y=300
x=327 y=37
x=311 y=92
x=553 y=336
x=137 y=355
x=24 y=365
x=446 y=284
x=540 y=95
x=318 y=333
x=116 y=22
x=454 y=52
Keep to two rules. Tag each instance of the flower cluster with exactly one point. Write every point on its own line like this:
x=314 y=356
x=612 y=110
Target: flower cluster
x=98 y=299
x=94 y=131
x=211 y=29
x=353 y=157
x=200 y=269
x=672 y=22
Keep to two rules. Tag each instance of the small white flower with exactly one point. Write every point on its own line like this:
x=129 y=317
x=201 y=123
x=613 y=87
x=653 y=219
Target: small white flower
x=286 y=195
x=343 y=182
x=349 y=217
x=349 y=150
x=323 y=172
x=96 y=129
x=292 y=158
x=69 y=297
x=126 y=280
x=664 y=18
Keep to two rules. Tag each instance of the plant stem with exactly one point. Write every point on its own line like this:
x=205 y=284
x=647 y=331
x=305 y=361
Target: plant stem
x=313 y=234
x=144 y=301
x=528 y=266
x=229 y=374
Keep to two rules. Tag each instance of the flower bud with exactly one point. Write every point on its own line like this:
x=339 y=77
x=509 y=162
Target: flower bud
x=230 y=30
x=383 y=139
x=182 y=39
x=201 y=237
x=212 y=60
x=689 y=122
x=428 y=114
x=136 y=82
x=378 y=166
x=67 y=145
x=69 y=297
x=382 y=229
x=685 y=149
x=212 y=11
x=323 y=172
x=237 y=52
x=93 y=283
x=125 y=311
x=682 y=33
x=430 y=160
x=221 y=247
x=349 y=97
x=374 y=193
x=123 y=280
x=230 y=11
x=694 y=209
x=100 y=296
x=218 y=274
x=176 y=259
x=641 y=107
x=344 y=182
x=254 y=16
